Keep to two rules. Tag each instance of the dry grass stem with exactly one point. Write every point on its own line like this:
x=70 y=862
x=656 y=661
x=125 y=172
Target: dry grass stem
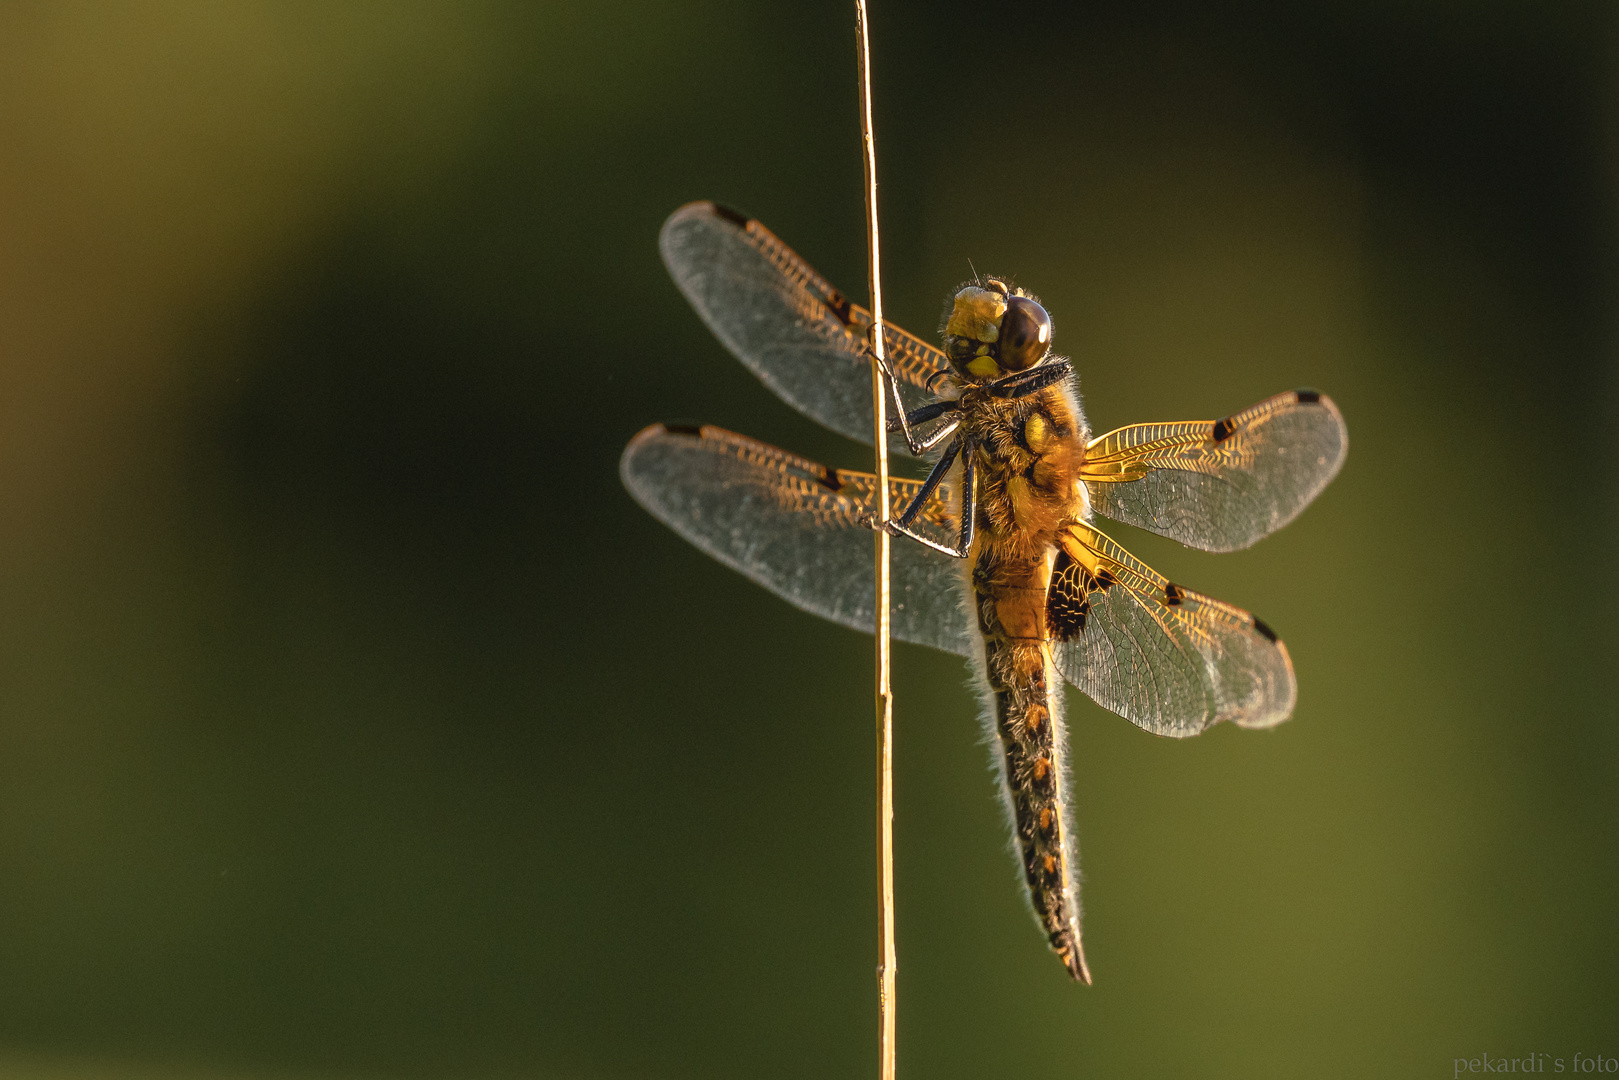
x=885 y=694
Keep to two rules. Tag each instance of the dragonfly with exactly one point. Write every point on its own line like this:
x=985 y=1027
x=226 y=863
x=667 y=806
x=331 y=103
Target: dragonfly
x=997 y=556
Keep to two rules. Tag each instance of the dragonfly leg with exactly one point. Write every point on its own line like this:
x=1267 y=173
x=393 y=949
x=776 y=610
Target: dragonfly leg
x=929 y=485
x=903 y=419
x=1024 y=383
x=945 y=431
x=969 y=512
x=900 y=526
x=922 y=415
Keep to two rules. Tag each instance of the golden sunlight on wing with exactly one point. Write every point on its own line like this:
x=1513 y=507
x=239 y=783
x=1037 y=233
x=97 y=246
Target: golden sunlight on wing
x=1219 y=485
x=799 y=528
x=799 y=335
x=1164 y=657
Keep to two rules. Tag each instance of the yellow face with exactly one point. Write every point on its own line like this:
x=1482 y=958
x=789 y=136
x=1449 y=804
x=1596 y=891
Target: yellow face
x=976 y=319
x=995 y=330
x=977 y=314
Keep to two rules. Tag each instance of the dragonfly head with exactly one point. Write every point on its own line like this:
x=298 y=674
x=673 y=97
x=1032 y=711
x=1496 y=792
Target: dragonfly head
x=995 y=330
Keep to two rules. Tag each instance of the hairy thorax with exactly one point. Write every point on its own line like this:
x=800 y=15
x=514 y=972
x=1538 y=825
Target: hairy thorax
x=1029 y=455
x=1028 y=486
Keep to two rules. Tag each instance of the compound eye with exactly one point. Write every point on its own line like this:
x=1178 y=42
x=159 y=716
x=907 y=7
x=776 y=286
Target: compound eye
x=1025 y=334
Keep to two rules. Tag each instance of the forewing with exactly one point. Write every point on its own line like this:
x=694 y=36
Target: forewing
x=802 y=337
x=1219 y=485
x=799 y=528
x=1166 y=658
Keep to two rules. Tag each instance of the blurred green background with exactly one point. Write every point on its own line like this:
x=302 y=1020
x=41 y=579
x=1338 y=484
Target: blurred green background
x=355 y=723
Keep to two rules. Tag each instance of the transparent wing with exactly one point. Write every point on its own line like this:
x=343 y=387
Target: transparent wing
x=799 y=528
x=1219 y=485
x=1166 y=658
x=802 y=337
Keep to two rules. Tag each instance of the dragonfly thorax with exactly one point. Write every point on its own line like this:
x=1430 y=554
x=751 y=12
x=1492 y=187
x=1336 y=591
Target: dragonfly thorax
x=1029 y=452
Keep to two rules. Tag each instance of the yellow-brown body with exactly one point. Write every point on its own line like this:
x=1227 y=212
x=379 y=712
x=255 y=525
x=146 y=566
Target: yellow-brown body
x=1029 y=453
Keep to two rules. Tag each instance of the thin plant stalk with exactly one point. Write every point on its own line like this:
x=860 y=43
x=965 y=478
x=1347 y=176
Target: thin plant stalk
x=886 y=964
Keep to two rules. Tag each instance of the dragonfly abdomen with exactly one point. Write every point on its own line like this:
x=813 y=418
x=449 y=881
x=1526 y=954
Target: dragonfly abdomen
x=1025 y=704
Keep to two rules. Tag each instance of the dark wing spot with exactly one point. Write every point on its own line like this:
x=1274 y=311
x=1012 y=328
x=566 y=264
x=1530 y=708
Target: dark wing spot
x=1264 y=631
x=829 y=479
x=740 y=220
x=1172 y=594
x=838 y=304
x=684 y=429
x=1105 y=579
x=1223 y=429
x=1307 y=397
x=1067 y=605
